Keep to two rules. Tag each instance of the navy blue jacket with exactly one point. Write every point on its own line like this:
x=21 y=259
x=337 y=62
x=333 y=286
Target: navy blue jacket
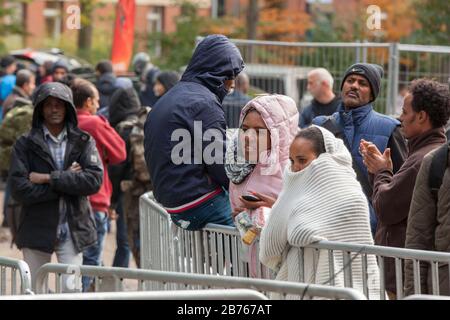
x=316 y=109
x=197 y=97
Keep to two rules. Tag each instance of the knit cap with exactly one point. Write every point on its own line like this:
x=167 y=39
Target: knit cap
x=372 y=72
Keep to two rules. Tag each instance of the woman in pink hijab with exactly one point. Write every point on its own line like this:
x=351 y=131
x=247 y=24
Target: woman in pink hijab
x=256 y=157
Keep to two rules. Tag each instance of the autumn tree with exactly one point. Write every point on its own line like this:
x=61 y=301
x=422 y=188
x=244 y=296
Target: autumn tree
x=177 y=47
x=434 y=17
x=276 y=22
x=252 y=19
x=398 y=20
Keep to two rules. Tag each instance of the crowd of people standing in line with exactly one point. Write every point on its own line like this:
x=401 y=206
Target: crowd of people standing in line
x=337 y=171
x=72 y=157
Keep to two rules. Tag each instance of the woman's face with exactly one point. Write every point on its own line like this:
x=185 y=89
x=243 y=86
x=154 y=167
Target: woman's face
x=254 y=137
x=301 y=154
x=158 y=89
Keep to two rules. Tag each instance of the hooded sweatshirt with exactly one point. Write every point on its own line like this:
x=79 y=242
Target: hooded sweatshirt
x=111 y=149
x=168 y=79
x=106 y=85
x=124 y=103
x=197 y=97
x=60 y=63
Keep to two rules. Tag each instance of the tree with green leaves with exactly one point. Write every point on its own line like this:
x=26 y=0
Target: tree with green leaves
x=8 y=24
x=434 y=17
x=177 y=47
x=87 y=8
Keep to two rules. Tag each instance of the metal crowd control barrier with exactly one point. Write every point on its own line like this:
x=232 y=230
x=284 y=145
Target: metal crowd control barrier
x=193 y=281
x=215 y=249
x=214 y=294
x=425 y=297
x=16 y=266
x=155 y=232
x=350 y=251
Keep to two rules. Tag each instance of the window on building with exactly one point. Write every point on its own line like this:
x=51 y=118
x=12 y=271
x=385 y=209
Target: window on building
x=220 y=8
x=155 y=24
x=53 y=23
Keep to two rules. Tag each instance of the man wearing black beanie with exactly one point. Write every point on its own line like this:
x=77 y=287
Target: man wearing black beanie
x=356 y=120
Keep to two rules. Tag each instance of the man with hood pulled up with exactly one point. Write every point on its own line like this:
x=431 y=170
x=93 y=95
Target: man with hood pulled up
x=55 y=167
x=190 y=187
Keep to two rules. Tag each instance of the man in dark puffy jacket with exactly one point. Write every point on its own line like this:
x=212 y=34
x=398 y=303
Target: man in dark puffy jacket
x=193 y=190
x=54 y=168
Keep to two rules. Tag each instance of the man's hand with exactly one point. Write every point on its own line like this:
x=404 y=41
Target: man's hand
x=112 y=214
x=75 y=167
x=39 y=178
x=373 y=158
x=265 y=201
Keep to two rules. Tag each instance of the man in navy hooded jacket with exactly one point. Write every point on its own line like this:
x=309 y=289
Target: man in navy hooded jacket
x=355 y=119
x=194 y=191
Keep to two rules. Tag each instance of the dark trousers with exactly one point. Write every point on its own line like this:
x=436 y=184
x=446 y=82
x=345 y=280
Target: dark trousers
x=122 y=255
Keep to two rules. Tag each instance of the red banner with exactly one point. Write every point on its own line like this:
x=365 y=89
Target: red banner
x=122 y=47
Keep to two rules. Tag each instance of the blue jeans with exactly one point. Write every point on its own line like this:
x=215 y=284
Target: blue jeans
x=216 y=210
x=122 y=255
x=92 y=256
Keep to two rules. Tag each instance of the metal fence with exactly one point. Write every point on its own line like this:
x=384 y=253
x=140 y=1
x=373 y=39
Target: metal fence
x=18 y=276
x=216 y=250
x=348 y=252
x=213 y=294
x=281 y=67
x=425 y=297
x=165 y=280
x=213 y=250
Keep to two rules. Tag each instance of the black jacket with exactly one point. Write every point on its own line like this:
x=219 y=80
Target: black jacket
x=123 y=112
x=316 y=109
x=106 y=86
x=197 y=97
x=124 y=103
x=146 y=95
x=40 y=213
